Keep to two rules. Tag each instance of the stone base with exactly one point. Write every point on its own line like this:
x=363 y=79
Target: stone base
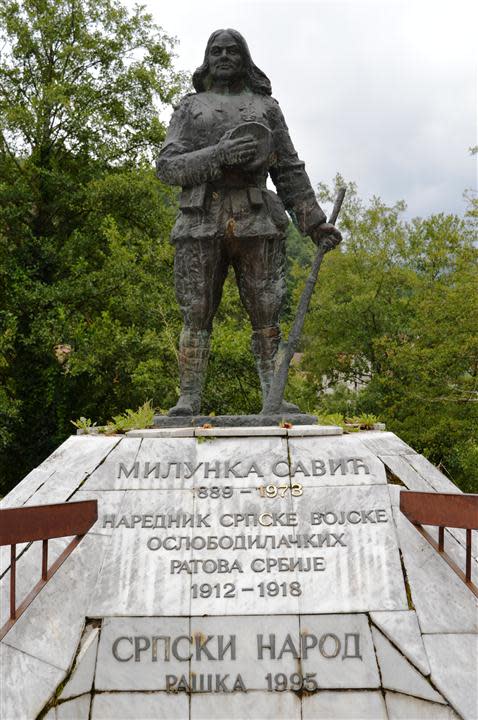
x=260 y=573
x=165 y=421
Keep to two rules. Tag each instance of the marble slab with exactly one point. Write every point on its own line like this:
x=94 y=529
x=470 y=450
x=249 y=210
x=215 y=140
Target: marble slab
x=454 y=666
x=250 y=433
x=262 y=645
x=182 y=463
x=366 y=573
x=105 y=476
x=347 y=658
x=17 y=700
x=134 y=655
x=26 y=488
x=385 y=443
x=51 y=627
x=77 y=709
x=245 y=588
x=83 y=453
x=404 y=707
x=161 y=433
x=28 y=572
x=314 y=430
x=432 y=475
x=413 y=480
x=81 y=678
x=332 y=461
x=344 y=706
x=109 y=503
x=398 y=674
x=251 y=705
x=402 y=629
x=442 y=601
x=134 y=579
x=139 y=706
x=401 y=468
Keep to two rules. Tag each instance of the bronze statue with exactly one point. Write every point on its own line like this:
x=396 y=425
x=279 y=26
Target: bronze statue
x=222 y=143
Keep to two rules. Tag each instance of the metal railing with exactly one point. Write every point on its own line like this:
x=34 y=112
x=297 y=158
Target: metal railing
x=444 y=510
x=42 y=522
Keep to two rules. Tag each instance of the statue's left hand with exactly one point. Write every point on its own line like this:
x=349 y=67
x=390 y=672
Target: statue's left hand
x=327 y=236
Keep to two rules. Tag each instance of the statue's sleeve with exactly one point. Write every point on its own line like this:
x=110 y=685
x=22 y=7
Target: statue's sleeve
x=289 y=176
x=179 y=163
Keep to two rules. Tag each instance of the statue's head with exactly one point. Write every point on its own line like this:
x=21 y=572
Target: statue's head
x=227 y=58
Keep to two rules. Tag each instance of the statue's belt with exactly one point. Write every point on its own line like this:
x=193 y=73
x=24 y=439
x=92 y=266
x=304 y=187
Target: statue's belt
x=241 y=193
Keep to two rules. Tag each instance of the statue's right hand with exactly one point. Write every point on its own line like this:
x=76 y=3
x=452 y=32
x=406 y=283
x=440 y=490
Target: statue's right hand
x=236 y=151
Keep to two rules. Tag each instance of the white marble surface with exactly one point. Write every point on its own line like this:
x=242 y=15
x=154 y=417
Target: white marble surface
x=230 y=432
x=398 y=674
x=135 y=580
x=28 y=573
x=246 y=631
x=109 y=502
x=136 y=596
x=314 y=430
x=140 y=706
x=81 y=678
x=26 y=488
x=442 y=601
x=385 y=443
x=400 y=466
x=330 y=450
x=454 y=666
x=253 y=706
x=404 y=707
x=244 y=585
x=403 y=630
x=161 y=432
x=105 y=475
x=146 y=673
x=186 y=462
x=77 y=709
x=366 y=574
x=26 y=684
x=344 y=706
x=51 y=627
x=341 y=672
x=432 y=475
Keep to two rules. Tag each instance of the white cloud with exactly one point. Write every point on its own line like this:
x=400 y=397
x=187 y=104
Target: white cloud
x=383 y=91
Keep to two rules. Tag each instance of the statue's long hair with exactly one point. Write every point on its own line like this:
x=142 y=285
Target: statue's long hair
x=256 y=80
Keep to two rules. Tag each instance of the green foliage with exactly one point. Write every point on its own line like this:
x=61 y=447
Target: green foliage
x=84 y=424
x=132 y=419
x=393 y=326
x=88 y=315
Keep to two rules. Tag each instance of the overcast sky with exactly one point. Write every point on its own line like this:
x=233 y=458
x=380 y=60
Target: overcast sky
x=382 y=91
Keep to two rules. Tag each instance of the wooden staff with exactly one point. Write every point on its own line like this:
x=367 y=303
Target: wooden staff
x=276 y=393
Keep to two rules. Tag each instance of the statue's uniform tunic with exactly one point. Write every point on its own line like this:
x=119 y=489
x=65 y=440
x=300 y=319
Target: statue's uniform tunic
x=227 y=216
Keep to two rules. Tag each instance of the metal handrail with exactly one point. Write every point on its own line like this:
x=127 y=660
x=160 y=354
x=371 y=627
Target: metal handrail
x=444 y=510
x=42 y=522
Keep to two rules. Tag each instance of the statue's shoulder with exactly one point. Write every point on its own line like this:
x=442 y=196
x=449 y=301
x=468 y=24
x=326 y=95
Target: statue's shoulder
x=185 y=102
x=273 y=108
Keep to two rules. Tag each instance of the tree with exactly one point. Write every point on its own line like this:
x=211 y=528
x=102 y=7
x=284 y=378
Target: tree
x=394 y=315
x=84 y=224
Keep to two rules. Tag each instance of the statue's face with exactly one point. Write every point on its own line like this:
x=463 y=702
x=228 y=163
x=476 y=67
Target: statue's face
x=225 y=58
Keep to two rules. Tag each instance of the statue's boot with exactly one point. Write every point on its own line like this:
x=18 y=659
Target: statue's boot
x=265 y=344
x=193 y=357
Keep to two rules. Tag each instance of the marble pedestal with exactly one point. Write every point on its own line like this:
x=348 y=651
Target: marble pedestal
x=240 y=573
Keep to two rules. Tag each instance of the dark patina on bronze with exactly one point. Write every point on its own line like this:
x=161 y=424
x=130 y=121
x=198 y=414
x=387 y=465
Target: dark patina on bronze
x=223 y=142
